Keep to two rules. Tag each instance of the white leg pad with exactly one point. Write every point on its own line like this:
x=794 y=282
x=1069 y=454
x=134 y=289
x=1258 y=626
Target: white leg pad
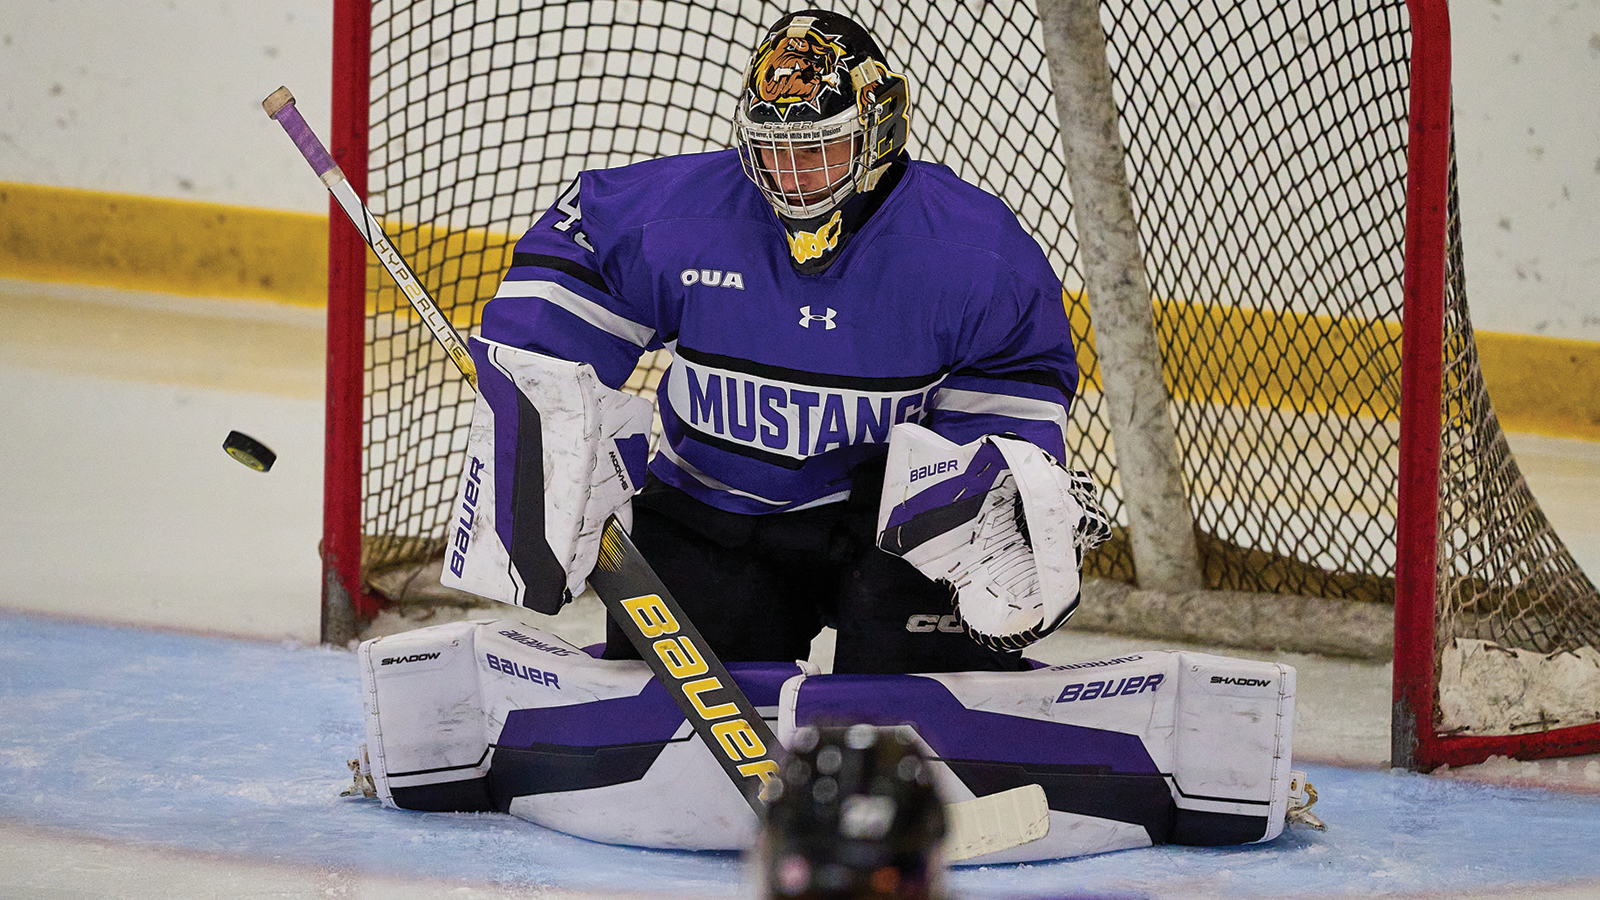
x=425 y=718
x=496 y=715
x=1149 y=748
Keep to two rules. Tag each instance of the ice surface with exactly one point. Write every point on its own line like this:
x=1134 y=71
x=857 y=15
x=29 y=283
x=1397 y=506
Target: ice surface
x=235 y=748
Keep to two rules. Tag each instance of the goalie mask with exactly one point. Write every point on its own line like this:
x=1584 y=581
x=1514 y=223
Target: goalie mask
x=818 y=123
x=855 y=817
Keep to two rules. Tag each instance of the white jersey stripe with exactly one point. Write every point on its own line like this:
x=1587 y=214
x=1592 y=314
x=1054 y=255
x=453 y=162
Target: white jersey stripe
x=983 y=403
x=582 y=307
x=689 y=469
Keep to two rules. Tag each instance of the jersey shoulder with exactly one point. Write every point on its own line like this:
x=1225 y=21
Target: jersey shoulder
x=688 y=186
x=938 y=205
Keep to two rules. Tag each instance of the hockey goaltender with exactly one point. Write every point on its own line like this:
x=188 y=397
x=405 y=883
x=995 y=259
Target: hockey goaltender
x=862 y=429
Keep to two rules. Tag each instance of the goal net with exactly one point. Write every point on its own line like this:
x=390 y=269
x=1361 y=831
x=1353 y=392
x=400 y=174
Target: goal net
x=1267 y=150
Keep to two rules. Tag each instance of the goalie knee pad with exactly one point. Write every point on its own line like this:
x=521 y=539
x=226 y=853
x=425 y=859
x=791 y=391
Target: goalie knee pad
x=999 y=521
x=551 y=454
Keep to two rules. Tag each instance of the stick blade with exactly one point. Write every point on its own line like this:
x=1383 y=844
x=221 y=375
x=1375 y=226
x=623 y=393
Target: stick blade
x=996 y=822
x=276 y=101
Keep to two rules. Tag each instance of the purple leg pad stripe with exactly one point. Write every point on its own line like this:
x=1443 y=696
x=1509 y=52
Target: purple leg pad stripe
x=651 y=716
x=958 y=733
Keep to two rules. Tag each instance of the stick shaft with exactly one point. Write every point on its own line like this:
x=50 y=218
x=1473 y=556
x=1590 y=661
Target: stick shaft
x=280 y=106
x=685 y=665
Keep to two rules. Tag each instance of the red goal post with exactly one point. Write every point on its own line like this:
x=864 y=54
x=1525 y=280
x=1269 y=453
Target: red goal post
x=1292 y=174
x=1423 y=576
x=346 y=601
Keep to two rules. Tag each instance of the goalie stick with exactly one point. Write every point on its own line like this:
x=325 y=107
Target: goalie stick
x=676 y=653
x=633 y=594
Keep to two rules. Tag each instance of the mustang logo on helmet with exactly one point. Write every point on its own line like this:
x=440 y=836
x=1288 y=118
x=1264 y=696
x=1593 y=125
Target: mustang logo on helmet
x=797 y=70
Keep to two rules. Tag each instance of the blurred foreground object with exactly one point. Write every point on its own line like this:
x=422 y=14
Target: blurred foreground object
x=857 y=816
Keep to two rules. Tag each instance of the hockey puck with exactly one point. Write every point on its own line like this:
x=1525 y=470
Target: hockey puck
x=249 y=451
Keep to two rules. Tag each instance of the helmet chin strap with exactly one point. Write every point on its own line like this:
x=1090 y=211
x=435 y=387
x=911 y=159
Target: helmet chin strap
x=814 y=243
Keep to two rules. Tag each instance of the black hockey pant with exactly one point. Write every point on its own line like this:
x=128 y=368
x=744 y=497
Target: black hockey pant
x=759 y=588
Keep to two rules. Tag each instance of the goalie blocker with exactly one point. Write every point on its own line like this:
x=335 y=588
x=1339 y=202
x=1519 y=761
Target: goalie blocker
x=1146 y=748
x=551 y=453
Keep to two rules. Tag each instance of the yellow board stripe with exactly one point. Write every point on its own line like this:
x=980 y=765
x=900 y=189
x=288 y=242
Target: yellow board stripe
x=1255 y=342
x=1538 y=385
x=153 y=244
x=1541 y=385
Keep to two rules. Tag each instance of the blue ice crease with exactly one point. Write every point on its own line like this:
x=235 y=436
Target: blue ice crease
x=235 y=747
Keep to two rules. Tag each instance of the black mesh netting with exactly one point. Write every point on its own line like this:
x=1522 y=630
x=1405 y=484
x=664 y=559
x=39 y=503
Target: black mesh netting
x=1267 y=149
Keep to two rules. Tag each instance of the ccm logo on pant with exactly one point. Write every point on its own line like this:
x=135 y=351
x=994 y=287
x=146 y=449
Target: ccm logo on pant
x=923 y=624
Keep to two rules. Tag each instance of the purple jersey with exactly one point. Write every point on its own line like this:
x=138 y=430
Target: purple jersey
x=940 y=310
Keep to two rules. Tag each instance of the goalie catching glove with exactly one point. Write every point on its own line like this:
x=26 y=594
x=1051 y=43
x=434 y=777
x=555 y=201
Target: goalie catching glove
x=999 y=521
x=552 y=453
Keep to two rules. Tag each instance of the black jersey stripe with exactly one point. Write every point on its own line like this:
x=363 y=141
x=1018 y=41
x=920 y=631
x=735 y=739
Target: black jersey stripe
x=564 y=266
x=864 y=384
x=1035 y=377
x=745 y=450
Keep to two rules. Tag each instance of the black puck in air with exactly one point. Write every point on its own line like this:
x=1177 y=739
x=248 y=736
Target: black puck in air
x=249 y=451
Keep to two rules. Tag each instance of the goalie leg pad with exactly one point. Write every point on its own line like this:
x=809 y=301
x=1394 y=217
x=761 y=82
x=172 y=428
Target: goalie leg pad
x=1147 y=748
x=1150 y=748
x=496 y=715
x=551 y=453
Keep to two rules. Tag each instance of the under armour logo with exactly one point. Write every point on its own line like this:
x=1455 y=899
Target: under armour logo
x=806 y=318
